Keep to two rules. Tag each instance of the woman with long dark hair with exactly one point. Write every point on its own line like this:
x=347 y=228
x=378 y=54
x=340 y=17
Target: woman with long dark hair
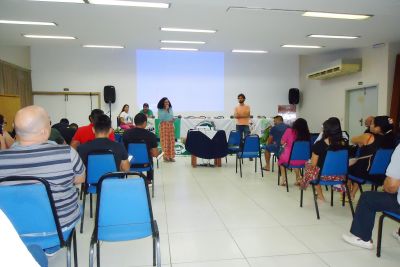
x=167 y=135
x=125 y=119
x=380 y=136
x=332 y=139
x=298 y=132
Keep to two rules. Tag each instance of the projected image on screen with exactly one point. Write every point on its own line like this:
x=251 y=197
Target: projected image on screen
x=193 y=81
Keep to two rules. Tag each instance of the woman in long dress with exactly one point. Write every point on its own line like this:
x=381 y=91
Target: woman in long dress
x=167 y=136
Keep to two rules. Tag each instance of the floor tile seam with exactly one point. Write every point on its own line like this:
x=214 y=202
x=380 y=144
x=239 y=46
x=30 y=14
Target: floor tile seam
x=206 y=261
x=293 y=254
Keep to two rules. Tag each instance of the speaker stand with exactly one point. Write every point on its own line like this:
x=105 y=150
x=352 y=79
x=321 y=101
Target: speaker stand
x=109 y=104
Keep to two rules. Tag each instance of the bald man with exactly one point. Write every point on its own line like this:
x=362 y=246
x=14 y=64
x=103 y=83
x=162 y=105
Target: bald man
x=59 y=164
x=367 y=123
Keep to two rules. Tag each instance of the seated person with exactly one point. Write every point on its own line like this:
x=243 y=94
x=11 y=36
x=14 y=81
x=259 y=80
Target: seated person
x=56 y=136
x=140 y=135
x=85 y=134
x=102 y=129
x=67 y=131
x=146 y=111
x=332 y=139
x=372 y=202
x=274 y=140
x=381 y=136
x=298 y=132
x=6 y=140
x=59 y=164
x=125 y=119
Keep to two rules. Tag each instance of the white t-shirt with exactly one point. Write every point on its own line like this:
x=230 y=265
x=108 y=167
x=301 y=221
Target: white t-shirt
x=127 y=118
x=13 y=252
x=393 y=170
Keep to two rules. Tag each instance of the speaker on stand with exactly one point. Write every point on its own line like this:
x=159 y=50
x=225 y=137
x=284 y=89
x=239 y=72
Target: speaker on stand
x=109 y=96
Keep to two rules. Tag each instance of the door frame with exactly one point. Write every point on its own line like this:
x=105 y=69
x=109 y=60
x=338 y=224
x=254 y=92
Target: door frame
x=346 y=107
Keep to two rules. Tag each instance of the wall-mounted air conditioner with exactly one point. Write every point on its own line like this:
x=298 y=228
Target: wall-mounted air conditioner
x=337 y=68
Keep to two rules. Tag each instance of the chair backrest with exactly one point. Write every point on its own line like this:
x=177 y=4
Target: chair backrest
x=234 y=138
x=139 y=153
x=301 y=150
x=251 y=143
x=99 y=163
x=30 y=207
x=124 y=208
x=336 y=163
x=381 y=161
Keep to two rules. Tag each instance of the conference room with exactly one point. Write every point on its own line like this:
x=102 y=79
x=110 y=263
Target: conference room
x=253 y=116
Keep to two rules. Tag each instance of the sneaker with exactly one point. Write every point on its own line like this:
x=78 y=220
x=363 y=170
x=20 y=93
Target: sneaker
x=396 y=235
x=358 y=242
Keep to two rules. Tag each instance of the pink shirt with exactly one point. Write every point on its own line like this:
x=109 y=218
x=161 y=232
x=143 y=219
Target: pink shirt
x=242 y=110
x=288 y=138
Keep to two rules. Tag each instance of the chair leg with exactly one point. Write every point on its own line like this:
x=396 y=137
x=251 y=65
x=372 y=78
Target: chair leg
x=255 y=165
x=83 y=212
x=272 y=163
x=158 y=251
x=315 y=201
x=379 y=243
x=154 y=251
x=69 y=252
x=152 y=188
x=75 y=248
x=157 y=164
x=350 y=201
x=361 y=189
x=343 y=198
x=91 y=205
x=331 y=196
x=98 y=253
x=301 y=197
x=82 y=190
x=236 y=162
x=240 y=167
x=261 y=167
x=226 y=159
x=91 y=252
x=326 y=188
x=279 y=176
x=287 y=184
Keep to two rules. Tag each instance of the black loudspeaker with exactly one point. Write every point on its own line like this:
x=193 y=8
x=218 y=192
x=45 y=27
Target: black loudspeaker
x=109 y=94
x=294 y=96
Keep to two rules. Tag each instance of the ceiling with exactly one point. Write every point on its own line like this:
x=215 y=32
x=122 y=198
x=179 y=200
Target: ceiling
x=138 y=28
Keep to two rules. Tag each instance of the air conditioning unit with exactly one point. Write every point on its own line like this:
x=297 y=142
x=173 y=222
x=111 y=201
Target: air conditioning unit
x=337 y=68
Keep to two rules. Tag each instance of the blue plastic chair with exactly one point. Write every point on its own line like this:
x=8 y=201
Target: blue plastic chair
x=233 y=143
x=335 y=164
x=98 y=163
x=250 y=149
x=391 y=215
x=140 y=161
x=124 y=213
x=380 y=162
x=301 y=150
x=33 y=199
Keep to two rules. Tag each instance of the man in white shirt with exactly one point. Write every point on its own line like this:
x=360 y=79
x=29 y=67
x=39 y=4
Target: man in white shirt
x=372 y=202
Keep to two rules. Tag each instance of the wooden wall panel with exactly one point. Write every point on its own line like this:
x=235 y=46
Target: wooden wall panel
x=395 y=105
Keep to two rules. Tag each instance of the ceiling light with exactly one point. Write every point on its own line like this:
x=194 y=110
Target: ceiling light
x=332 y=36
x=129 y=3
x=187 y=30
x=249 y=51
x=335 y=15
x=21 y=22
x=181 y=42
x=49 y=36
x=179 y=49
x=61 y=1
x=103 y=46
x=302 y=46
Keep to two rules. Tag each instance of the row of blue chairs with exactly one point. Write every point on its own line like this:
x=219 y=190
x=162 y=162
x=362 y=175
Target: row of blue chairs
x=123 y=213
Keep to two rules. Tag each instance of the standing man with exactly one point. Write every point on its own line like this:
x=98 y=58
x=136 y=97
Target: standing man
x=242 y=116
x=274 y=140
x=141 y=135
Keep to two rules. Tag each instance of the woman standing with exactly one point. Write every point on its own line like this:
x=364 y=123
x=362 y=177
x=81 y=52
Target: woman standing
x=167 y=138
x=125 y=120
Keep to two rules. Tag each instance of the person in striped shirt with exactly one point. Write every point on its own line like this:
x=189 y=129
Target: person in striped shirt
x=34 y=155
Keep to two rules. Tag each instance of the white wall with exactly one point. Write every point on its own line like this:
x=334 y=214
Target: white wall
x=17 y=55
x=326 y=98
x=265 y=79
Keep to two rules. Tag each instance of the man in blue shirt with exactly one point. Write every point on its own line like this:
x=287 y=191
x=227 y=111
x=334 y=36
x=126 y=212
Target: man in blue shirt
x=372 y=202
x=274 y=140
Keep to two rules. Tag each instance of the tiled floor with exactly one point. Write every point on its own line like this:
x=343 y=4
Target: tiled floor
x=210 y=217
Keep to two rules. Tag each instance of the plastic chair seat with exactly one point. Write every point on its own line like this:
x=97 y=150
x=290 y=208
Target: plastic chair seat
x=248 y=155
x=124 y=232
x=328 y=183
x=356 y=179
x=142 y=169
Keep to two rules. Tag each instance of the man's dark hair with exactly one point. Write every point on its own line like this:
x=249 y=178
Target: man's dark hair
x=73 y=125
x=241 y=95
x=146 y=105
x=102 y=124
x=64 y=121
x=279 y=117
x=160 y=104
x=140 y=118
x=95 y=113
